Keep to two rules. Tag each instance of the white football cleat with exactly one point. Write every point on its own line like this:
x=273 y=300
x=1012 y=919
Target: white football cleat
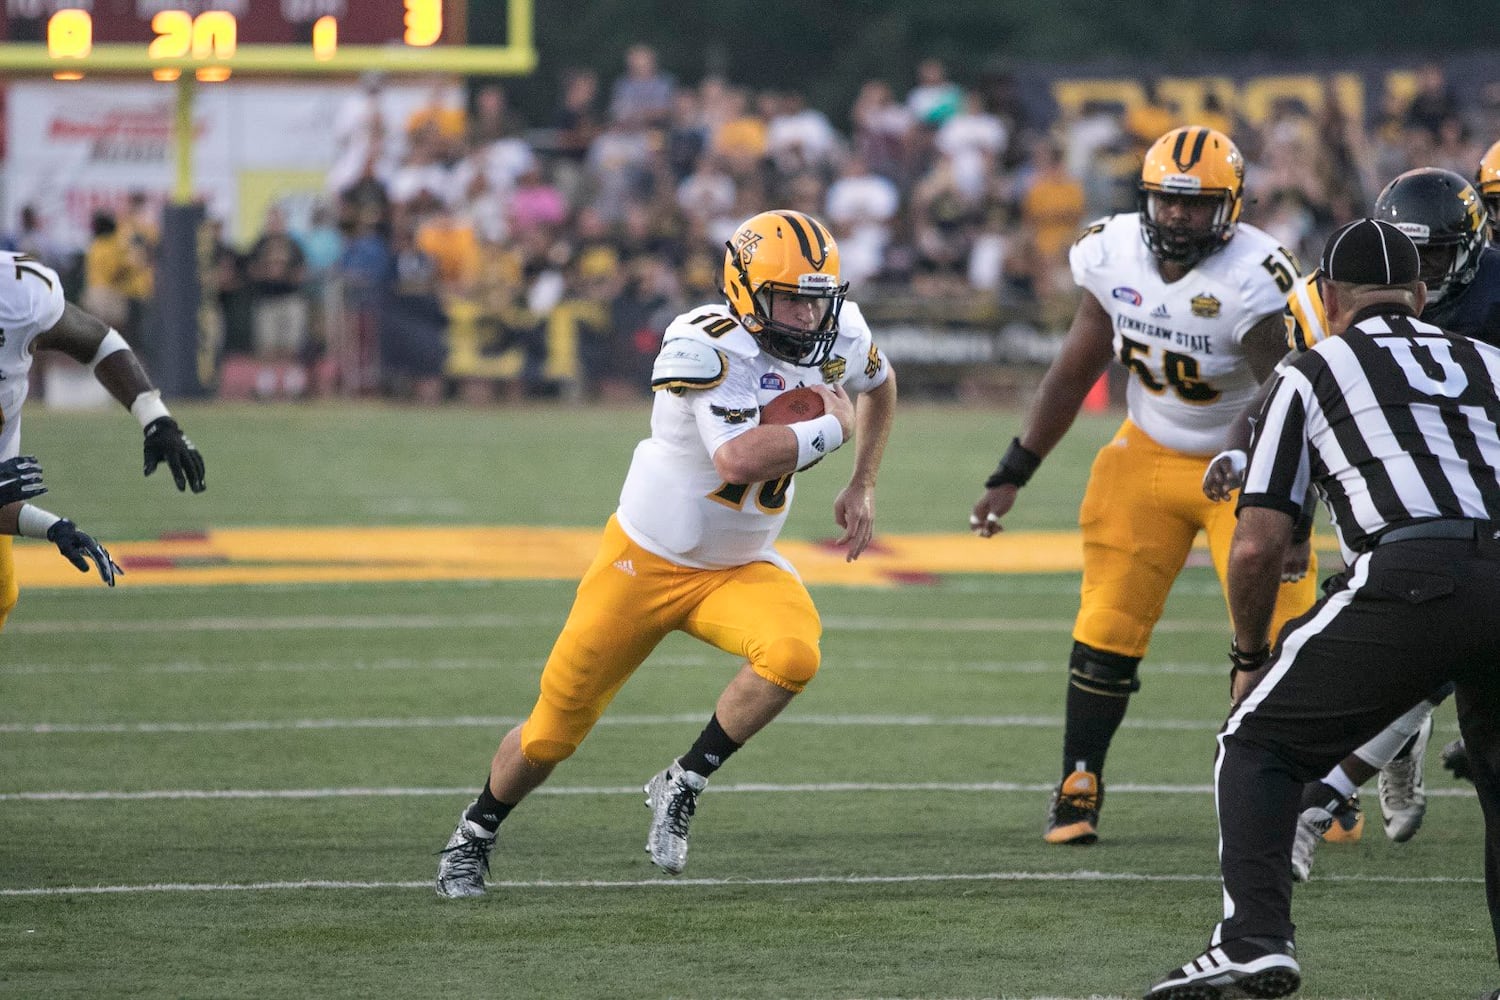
x=1403 y=793
x=1312 y=823
x=463 y=864
x=672 y=797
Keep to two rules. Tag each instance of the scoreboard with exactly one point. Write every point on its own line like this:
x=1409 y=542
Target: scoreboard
x=213 y=39
x=257 y=22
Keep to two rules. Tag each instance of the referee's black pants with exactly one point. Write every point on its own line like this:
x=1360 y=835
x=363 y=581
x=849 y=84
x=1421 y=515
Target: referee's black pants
x=1410 y=616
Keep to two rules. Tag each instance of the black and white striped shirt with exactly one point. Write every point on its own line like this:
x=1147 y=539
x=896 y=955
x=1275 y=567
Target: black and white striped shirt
x=1393 y=421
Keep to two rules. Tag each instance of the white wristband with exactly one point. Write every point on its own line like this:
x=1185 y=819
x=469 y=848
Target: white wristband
x=33 y=522
x=816 y=438
x=148 y=407
x=112 y=343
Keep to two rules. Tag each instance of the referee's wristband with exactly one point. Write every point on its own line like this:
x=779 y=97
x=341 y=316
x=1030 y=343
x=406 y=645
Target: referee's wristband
x=1016 y=468
x=1241 y=660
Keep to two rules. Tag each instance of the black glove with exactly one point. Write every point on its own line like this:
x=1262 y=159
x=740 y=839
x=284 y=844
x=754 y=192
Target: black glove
x=78 y=548
x=20 y=479
x=164 y=441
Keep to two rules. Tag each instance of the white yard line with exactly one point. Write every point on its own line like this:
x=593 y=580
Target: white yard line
x=700 y=883
x=817 y=788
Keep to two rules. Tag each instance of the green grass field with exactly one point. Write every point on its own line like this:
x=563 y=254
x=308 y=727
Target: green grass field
x=238 y=791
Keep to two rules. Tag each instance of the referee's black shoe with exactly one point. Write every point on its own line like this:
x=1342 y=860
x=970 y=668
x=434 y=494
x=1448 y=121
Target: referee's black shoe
x=1243 y=967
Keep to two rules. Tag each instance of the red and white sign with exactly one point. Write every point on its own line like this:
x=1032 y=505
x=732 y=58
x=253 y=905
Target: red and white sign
x=76 y=147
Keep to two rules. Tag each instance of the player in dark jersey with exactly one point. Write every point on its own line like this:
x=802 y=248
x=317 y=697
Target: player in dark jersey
x=1445 y=217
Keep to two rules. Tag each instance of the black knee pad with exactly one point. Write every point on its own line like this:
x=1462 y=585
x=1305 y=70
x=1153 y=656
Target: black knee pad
x=1097 y=672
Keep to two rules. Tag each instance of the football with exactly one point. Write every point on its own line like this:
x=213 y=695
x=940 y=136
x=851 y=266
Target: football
x=793 y=406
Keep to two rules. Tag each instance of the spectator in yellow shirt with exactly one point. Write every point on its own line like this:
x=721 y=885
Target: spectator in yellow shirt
x=115 y=276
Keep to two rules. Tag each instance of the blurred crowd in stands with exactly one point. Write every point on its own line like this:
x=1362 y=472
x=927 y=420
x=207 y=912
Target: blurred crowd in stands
x=465 y=251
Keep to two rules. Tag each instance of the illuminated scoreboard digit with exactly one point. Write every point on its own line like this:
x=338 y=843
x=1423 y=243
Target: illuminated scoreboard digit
x=214 y=38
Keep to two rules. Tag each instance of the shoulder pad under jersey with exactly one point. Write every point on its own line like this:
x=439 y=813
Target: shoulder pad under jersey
x=687 y=363
x=1093 y=229
x=1101 y=240
x=716 y=327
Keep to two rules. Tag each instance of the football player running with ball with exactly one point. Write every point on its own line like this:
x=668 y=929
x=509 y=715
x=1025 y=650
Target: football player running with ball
x=691 y=546
x=1189 y=299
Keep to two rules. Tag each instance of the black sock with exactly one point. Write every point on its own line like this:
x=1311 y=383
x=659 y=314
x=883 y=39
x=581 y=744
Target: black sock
x=488 y=811
x=1321 y=795
x=710 y=751
x=1090 y=726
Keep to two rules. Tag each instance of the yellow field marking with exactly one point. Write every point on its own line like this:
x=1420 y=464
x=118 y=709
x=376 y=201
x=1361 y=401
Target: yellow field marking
x=366 y=555
x=346 y=554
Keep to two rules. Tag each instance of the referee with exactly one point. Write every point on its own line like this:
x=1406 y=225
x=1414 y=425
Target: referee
x=1393 y=422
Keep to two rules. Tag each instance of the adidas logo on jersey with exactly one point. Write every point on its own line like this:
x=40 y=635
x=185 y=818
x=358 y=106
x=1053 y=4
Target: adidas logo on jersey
x=625 y=566
x=1160 y=312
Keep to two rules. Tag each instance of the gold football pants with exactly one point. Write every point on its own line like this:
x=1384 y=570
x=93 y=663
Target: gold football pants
x=9 y=590
x=630 y=599
x=1141 y=512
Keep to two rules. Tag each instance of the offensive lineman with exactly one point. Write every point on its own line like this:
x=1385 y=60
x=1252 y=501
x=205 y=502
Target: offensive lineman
x=690 y=546
x=1189 y=299
x=35 y=316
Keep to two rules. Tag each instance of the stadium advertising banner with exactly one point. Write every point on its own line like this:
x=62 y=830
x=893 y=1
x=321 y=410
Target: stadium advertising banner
x=1251 y=87
x=78 y=147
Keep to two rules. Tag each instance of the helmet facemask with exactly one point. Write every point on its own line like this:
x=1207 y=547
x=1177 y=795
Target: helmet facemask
x=1492 y=209
x=778 y=324
x=1448 y=265
x=776 y=321
x=1179 y=244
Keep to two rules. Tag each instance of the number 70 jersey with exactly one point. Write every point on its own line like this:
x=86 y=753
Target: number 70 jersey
x=1183 y=342
x=31 y=303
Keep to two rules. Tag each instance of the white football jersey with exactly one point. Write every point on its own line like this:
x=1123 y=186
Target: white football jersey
x=673 y=502
x=1189 y=376
x=31 y=303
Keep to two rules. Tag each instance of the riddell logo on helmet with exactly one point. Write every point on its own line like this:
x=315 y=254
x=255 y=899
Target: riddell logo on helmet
x=1181 y=182
x=816 y=282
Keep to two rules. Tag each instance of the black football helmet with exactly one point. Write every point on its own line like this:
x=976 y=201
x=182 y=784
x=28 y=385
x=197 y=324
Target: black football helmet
x=1445 y=218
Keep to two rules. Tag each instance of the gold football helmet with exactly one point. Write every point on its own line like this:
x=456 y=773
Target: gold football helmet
x=1306 y=319
x=781 y=277
x=1191 y=162
x=1488 y=182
